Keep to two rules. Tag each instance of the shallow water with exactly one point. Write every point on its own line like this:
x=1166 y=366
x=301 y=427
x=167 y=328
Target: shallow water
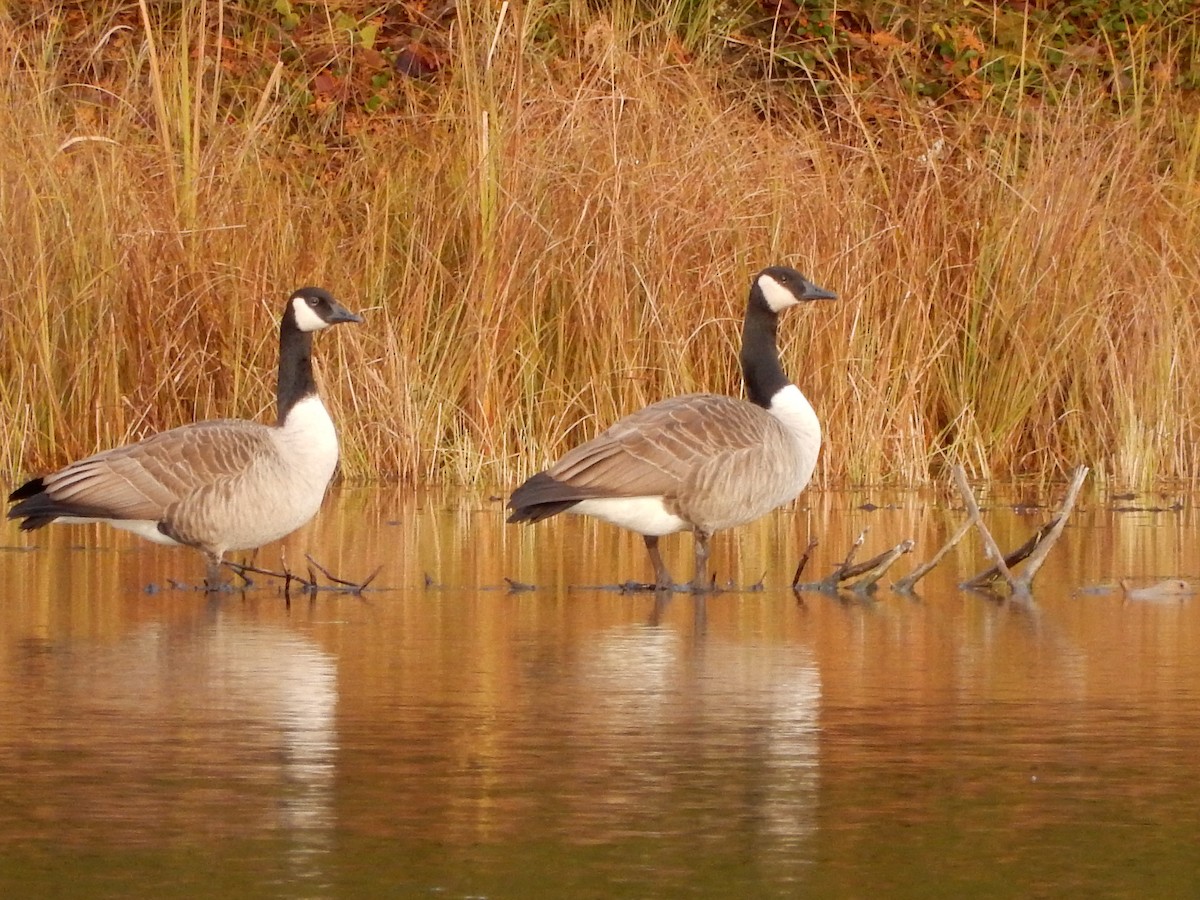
x=444 y=736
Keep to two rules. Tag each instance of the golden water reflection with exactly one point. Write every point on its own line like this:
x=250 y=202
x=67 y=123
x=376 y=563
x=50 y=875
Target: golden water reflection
x=446 y=734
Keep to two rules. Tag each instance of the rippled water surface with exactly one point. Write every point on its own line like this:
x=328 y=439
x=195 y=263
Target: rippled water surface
x=445 y=736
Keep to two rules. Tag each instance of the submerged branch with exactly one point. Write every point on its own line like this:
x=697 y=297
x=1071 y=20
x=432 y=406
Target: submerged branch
x=906 y=584
x=1035 y=550
x=804 y=558
x=309 y=585
x=990 y=547
x=1043 y=549
x=990 y=574
x=357 y=586
x=867 y=572
x=875 y=567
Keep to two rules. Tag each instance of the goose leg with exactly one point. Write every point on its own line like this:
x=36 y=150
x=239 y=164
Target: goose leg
x=212 y=575
x=662 y=578
x=700 y=583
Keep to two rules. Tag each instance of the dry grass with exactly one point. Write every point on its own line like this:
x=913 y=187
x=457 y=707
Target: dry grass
x=545 y=244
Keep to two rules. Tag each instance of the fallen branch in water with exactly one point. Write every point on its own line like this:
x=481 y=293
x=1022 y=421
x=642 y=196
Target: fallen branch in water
x=804 y=558
x=909 y=581
x=309 y=585
x=990 y=548
x=874 y=568
x=830 y=581
x=1035 y=550
x=858 y=577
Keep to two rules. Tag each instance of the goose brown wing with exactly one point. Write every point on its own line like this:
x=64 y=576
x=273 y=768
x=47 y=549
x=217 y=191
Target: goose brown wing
x=140 y=481
x=653 y=451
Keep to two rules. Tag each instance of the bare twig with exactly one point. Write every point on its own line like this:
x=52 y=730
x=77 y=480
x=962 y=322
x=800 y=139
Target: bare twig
x=874 y=568
x=854 y=548
x=1038 y=556
x=834 y=578
x=324 y=571
x=990 y=574
x=870 y=569
x=367 y=582
x=311 y=584
x=812 y=545
x=862 y=577
x=287 y=576
x=869 y=565
x=357 y=587
x=1035 y=550
x=906 y=584
x=989 y=543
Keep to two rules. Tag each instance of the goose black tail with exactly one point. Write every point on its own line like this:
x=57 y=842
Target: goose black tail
x=35 y=508
x=540 y=498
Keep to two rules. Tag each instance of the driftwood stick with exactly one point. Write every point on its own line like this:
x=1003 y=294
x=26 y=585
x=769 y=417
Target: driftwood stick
x=311 y=584
x=908 y=582
x=875 y=567
x=989 y=543
x=854 y=548
x=240 y=572
x=807 y=555
x=990 y=574
x=324 y=571
x=367 y=583
x=871 y=569
x=353 y=587
x=834 y=578
x=869 y=565
x=1042 y=549
x=1036 y=548
x=1033 y=552
x=287 y=575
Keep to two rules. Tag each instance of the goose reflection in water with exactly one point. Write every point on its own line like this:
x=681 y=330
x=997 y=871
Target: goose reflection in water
x=218 y=730
x=742 y=708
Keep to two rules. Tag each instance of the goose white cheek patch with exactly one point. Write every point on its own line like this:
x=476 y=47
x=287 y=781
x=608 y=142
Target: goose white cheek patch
x=306 y=318
x=777 y=296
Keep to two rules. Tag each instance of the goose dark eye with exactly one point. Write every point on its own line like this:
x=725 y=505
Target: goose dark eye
x=314 y=302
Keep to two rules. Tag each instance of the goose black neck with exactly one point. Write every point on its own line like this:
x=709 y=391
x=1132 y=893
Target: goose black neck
x=295 y=368
x=761 y=370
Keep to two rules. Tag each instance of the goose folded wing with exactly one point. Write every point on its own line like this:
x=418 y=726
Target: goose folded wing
x=654 y=451
x=140 y=481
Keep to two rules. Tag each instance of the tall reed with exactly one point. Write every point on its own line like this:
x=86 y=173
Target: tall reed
x=545 y=242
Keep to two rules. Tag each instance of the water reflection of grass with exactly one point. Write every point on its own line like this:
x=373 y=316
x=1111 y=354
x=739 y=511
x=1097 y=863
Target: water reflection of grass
x=548 y=242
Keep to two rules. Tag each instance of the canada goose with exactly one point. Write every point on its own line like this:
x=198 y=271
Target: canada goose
x=226 y=484
x=700 y=462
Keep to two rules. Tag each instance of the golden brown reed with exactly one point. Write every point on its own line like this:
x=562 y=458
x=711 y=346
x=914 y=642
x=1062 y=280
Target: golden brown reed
x=543 y=244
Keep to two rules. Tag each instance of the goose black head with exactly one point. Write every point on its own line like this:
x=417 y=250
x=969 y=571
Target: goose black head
x=314 y=308
x=781 y=287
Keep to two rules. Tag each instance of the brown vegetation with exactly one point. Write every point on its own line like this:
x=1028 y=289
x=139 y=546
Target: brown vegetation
x=543 y=241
